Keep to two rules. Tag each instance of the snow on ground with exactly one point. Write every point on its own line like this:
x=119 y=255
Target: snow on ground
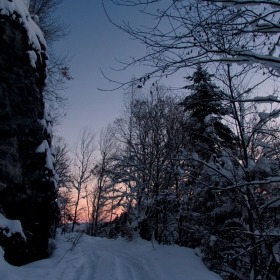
x=104 y=259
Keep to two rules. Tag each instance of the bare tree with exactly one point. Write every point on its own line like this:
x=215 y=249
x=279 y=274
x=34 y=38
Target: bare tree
x=83 y=160
x=54 y=30
x=43 y=12
x=62 y=165
x=188 y=32
x=101 y=200
x=62 y=162
x=66 y=207
x=146 y=168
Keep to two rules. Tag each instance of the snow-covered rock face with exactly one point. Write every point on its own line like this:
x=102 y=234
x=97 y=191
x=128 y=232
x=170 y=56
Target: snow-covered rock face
x=26 y=3
x=10 y=226
x=27 y=180
x=18 y=10
x=47 y=148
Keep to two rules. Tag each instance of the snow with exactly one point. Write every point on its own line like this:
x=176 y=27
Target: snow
x=181 y=171
x=264 y=145
x=26 y=3
x=105 y=259
x=208 y=120
x=43 y=123
x=13 y=226
x=212 y=240
x=47 y=115
x=242 y=57
x=266 y=99
x=243 y=3
x=263 y=165
x=274 y=115
x=49 y=150
x=43 y=147
x=118 y=157
x=17 y=9
x=33 y=58
x=49 y=160
x=46 y=121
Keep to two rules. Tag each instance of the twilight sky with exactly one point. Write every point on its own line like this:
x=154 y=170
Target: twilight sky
x=94 y=44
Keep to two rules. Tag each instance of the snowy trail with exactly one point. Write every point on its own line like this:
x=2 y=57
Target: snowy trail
x=103 y=259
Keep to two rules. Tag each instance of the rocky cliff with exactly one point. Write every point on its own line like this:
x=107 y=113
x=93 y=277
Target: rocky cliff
x=27 y=180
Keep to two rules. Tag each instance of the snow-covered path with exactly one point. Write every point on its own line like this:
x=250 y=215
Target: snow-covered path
x=103 y=259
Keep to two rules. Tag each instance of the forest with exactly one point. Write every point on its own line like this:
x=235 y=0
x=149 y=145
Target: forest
x=200 y=170
x=196 y=166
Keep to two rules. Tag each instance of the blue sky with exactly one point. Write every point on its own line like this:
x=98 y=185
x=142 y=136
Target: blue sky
x=94 y=44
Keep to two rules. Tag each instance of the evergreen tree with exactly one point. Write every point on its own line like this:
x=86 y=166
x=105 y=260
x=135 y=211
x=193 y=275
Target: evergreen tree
x=206 y=109
x=230 y=212
x=209 y=138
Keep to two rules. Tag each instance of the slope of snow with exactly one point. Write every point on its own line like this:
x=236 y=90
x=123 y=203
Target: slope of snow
x=103 y=259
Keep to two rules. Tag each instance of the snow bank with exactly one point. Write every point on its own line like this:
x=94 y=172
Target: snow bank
x=104 y=259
